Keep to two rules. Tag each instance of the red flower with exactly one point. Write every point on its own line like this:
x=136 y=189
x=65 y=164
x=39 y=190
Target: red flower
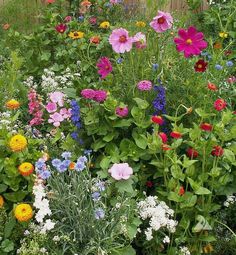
x=95 y=40
x=200 y=66
x=217 y=151
x=93 y=20
x=206 y=127
x=192 y=153
x=212 y=86
x=157 y=119
x=149 y=184
x=220 y=104
x=181 y=191
x=50 y=1
x=165 y=147
x=176 y=134
x=61 y=28
x=163 y=137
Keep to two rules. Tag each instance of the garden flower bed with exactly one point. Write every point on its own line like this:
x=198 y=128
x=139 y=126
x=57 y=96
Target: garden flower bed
x=117 y=133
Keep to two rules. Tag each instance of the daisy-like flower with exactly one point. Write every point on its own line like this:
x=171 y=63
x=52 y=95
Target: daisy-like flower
x=120 y=40
x=163 y=137
x=217 y=151
x=200 y=66
x=95 y=40
x=140 y=24
x=104 y=25
x=140 y=41
x=190 y=42
x=76 y=35
x=162 y=22
x=26 y=169
x=176 y=134
x=144 y=85
x=12 y=104
x=157 y=119
x=104 y=67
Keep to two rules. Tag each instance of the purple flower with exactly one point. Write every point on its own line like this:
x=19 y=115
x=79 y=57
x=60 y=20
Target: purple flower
x=75 y=118
x=159 y=102
x=87 y=93
x=99 y=213
x=100 y=185
x=66 y=154
x=122 y=111
x=45 y=174
x=56 y=162
x=96 y=196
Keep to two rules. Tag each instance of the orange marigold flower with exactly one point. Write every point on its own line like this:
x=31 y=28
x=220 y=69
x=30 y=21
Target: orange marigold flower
x=12 y=104
x=23 y=212
x=1 y=201
x=72 y=166
x=217 y=45
x=18 y=143
x=95 y=39
x=26 y=169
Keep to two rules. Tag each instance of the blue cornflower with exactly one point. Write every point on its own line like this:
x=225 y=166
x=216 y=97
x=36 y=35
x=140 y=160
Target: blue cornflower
x=56 y=162
x=82 y=159
x=74 y=135
x=100 y=185
x=75 y=117
x=81 y=18
x=218 y=67
x=229 y=63
x=66 y=154
x=66 y=162
x=96 y=196
x=119 y=60
x=155 y=67
x=87 y=152
x=99 y=213
x=61 y=168
x=40 y=163
x=45 y=174
x=79 y=166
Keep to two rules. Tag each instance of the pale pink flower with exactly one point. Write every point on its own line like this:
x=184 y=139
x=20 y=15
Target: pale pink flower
x=140 y=40
x=162 y=22
x=66 y=113
x=56 y=118
x=88 y=93
x=121 y=171
x=51 y=107
x=120 y=40
x=57 y=97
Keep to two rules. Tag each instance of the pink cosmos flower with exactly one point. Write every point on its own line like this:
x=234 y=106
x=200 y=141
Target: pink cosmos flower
x=65 y=113
x=88 y=93
x=121 y=171
x=100 y=96
x=122 y=111
x=162 y=22
x=61 y=28
x=144 y=85
x=140 y=40
x=120 y=40
x=114 y=1
x=190 y=42
x=57 y=97
x=56 y=118
x=104 y=66
x=68 y=19
x=51 y=107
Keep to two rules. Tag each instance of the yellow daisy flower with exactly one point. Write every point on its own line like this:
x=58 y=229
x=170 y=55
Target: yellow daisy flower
x=23 y=212
x=26 y=169
x=18 y=143
x=12 y=104
x=140 y=24
x=223 y=34
x=76 y=35
x=105 y=25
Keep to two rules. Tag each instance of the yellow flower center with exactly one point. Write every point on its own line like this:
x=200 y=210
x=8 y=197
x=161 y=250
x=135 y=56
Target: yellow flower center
x=199 y=66
x=189 y=41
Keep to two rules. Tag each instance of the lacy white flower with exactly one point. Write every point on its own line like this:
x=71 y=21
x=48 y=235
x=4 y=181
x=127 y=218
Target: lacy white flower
x=184 y=251
x=166 y=239
x=230 y=200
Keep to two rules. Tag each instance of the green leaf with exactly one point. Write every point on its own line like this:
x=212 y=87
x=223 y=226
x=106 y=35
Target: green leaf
x=3 y=188
x=140 y=140
x=105 y=162
x=174 y=197
x=125 y=186
x=9 y=226
x=129 y=250
x=229 y=155
x=189 y=200
x=201 y=225
x=7 y=245
x=123 y=123
x=98 y=145
x=203 y=114
x=15 y=196
x=202 y=191
x=142 y=104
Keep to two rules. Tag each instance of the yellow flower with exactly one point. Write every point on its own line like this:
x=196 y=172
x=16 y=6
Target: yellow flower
x=1 y=201
x=18 y=143
x=23 y=212
x=76 y=35
x=26 y=168
x=12 y=104
x=208 y=248
x=223 y=34
x=105 y=25
x=140 y=24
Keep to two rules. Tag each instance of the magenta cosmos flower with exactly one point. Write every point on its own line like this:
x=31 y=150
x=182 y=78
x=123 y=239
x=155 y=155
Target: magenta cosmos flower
x=122 y=111
x=162 y=22
x=120 y=40
x=104 y=67
x=61 y=28
x=140 y=40
x=88 y=93
x=121 y=171
x=144 y=85
x=190 y=42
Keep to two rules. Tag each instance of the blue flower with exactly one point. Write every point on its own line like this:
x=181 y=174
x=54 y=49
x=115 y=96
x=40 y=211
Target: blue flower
x=66 y=162
x=74 y=135
x=119 y=60
x=100 y=185
x=229 y=63
x=61 y=168
x=159 y=102
x=87 y=152
x=40 y=163
x=82 y=159
x=56 y=162
x=155 y=67
x=66 y=154
x=79 y=166
x=81 y=18
x=218 y=67
x=45 y=174
x=75 y=118
x=99 y=213
x=96 y=196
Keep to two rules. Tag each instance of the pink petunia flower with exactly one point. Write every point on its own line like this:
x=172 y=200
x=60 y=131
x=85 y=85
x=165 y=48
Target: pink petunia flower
x=120 y=40
x=162 y=22
x=122 y=111
x=61 y=28
x=121 y=171
x=51 y=107
x=100 y=96
x=88 y=93
x=140 y=40
x=56 y=118
x=66 y=113
x=57 y=97
x=144 y=85
x=190 y=42
x=104 y=66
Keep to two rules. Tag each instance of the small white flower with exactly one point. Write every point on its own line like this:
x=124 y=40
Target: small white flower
x=166 y=239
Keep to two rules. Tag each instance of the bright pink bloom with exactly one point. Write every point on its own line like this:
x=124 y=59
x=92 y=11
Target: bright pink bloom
x=122 y=111
x=88 y=93
x=163 y=137
x=121 y=171
x=190 y=42
x=51 y=107
x=220 y=104
x=157 y=119
x=144 y=85
x=140 y=40
x=61 y=28
x=120 y=40
x=217 y=151
x=68 y=19
x=114 y=1
x=162 y=22
x=231 y=79
x=50 y=1
x=104 y=66
x=100 y=96
x=57 y=97
x=56 y=118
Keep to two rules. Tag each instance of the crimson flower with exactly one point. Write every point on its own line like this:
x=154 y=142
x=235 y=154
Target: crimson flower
x=206 y=127
x=220 y=104
x=149 y=184
x=200 y=66
x=175 y=134
x=61 y=28
x=192 y=153
x=157 y=119
x=163 y=137
x=181 y=191
x=217 y=151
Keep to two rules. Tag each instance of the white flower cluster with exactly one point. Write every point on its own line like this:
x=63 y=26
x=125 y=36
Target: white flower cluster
x=42 y=204
x=159 y=215
x=5 y=120
x=230 y=200
x=184 y=251
x=29 y=83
